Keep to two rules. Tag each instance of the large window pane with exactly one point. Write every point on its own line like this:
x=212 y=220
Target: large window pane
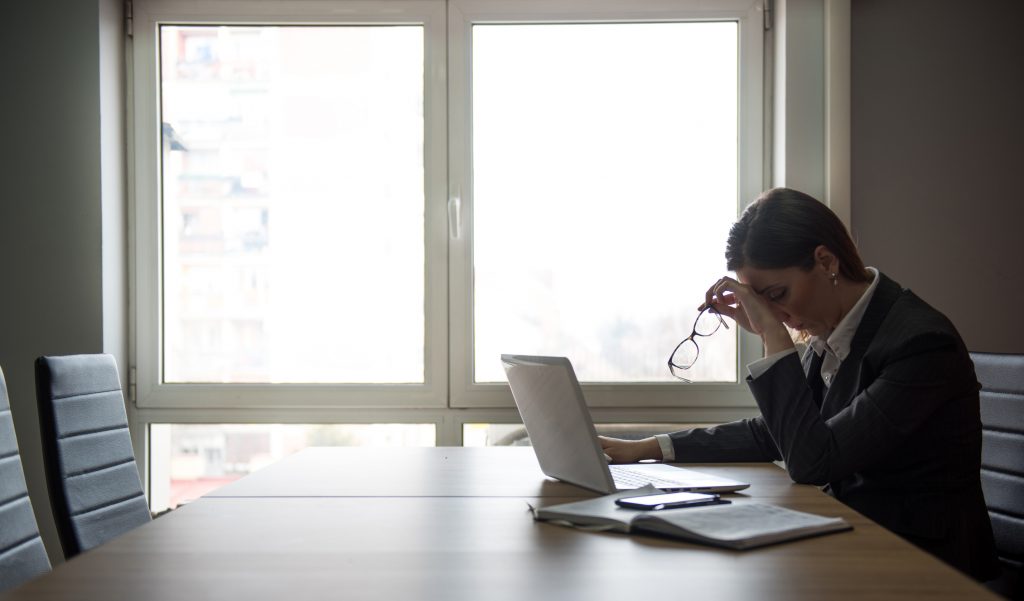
x=293 y=204
x=605 y=179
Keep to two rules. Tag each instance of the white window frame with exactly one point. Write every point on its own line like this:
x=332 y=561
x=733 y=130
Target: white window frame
x=149 y=388
x=448 y=398
x=463 y=14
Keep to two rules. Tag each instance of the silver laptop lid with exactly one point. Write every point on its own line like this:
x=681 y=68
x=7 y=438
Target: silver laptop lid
x=557 y=421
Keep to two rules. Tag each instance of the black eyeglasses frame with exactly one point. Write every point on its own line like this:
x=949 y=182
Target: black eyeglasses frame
x=673 y=366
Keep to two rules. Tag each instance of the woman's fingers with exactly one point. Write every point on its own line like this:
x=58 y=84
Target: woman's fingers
x=749 y=309
x=613 y=448
x=714 y=292
x=732 y=292
x=724 y=295
x=629 y=451
x=728 y=297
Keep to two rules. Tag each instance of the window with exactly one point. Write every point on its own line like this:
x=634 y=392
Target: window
x=350 y=207
x=604 y=176
x=293 y=235
x=599 y=153
x=292 y=160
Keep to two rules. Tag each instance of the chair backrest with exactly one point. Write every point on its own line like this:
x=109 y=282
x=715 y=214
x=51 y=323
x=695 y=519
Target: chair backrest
x=22 y=555
x=1002 y=456
x=95 y=490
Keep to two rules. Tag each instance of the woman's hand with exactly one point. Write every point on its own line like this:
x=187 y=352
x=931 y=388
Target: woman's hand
x=751 y=311
x=630 y=451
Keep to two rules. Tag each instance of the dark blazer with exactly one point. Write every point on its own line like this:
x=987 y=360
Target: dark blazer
x=898 y=435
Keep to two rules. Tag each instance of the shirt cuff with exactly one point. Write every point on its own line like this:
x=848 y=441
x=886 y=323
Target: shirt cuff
x=668 y=452
x=757 y=368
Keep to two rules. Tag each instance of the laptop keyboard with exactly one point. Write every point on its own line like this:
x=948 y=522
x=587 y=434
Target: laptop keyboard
x=626 y=478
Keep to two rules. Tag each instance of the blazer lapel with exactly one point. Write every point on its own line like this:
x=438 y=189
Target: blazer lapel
x=807 y=359
x=843 y=387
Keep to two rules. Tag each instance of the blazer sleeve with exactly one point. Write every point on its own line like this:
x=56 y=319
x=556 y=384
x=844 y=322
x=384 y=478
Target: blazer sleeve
x=743 y=440
x=913 y=381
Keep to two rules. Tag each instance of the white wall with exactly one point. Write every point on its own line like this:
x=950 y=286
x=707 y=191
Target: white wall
x=59 y=122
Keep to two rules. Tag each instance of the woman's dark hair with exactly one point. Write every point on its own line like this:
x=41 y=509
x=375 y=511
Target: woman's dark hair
x=783 y=227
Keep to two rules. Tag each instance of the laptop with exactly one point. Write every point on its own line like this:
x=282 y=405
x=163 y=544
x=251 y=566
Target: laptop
x=558 y=423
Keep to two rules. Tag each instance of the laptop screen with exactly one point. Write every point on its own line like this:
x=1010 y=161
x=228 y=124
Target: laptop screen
x=556 y=418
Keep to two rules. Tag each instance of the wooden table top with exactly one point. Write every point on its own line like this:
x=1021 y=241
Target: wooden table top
x=453 y=547
x=443 y=471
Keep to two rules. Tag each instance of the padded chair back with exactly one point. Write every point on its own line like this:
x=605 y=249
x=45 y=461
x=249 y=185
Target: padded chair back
x=1002 y=460
x=94 y=483
x=22 y=555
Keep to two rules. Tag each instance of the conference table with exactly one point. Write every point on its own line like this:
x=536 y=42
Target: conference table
x=454 y=523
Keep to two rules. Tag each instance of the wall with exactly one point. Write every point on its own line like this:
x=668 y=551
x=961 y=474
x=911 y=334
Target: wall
x=55 y=109
x=937 y=147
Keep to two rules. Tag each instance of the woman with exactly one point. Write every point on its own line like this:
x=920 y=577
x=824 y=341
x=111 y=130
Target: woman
x=882 y=410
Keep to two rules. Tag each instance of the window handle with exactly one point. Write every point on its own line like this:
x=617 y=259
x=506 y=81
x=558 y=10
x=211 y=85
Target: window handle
x=454 y=216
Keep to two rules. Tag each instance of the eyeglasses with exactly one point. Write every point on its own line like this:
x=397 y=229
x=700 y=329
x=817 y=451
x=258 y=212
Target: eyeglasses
x=685 y=354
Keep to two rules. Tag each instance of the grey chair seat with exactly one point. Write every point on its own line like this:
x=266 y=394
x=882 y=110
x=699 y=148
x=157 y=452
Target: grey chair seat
x=22 y=555
x=94 y=482
x=1002 y=462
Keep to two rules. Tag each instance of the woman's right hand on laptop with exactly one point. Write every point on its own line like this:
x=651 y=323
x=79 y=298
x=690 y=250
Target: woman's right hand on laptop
x=630 y=451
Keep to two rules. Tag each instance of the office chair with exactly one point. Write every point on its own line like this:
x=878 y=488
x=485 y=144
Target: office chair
x=94 y=483
x=22 y=555
x=1002 y=462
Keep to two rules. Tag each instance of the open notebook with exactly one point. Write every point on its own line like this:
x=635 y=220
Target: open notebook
x=734 y=526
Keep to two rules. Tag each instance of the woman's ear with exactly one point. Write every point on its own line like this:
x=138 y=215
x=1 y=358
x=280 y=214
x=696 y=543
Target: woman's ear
x=826 y=259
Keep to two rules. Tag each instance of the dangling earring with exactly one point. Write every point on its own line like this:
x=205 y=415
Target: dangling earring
x=835 y=278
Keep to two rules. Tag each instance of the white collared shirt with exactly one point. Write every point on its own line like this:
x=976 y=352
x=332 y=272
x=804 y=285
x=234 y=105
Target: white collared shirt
x=836 y=347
